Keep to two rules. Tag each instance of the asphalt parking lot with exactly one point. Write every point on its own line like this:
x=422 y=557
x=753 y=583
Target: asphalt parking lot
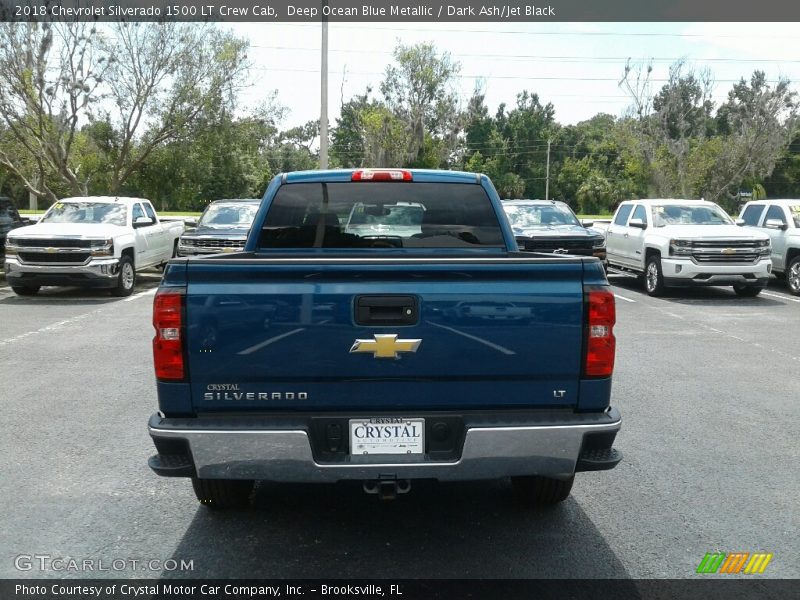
x=706 y=382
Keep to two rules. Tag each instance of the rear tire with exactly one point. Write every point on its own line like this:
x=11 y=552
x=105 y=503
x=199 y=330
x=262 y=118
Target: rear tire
x=747 y=291
x=793 y=276
x=25 y=290
x=536 y=490
x=653 y=276
x=219 y=494
x=126 y=278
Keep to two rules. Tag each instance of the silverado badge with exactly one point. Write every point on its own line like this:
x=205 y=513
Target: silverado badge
x=385 y=345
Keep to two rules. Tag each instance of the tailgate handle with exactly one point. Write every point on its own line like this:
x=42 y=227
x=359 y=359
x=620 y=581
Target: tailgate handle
x=387 y=310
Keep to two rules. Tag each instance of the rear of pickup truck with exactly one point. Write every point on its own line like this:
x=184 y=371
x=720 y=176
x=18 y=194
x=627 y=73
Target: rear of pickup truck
x=427 y=349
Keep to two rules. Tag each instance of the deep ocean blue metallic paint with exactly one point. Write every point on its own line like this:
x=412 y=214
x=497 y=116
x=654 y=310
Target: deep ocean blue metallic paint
x=495 y=333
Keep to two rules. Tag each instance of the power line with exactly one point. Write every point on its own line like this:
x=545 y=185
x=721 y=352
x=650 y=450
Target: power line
x=542 y=57
x=559 y=33
x=491 y=77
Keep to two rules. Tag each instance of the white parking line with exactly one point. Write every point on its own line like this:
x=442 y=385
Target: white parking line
x=145 y=293
x=252 y=349
x=623 y=298
x=781 y=296
x=720 y=332
x=47 y=328
x=477 y=339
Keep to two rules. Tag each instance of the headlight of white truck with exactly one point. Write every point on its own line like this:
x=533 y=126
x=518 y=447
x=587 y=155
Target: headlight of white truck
x=103 y=247
x=11 y=247
x=680 y=247
x=765 y=247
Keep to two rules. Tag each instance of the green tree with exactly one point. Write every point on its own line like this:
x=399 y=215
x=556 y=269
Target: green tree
x=757 y=120
x=50 y=76
x=595 y=194
x=54 y=77
x=420 y=92
x=348 y=137
x=690 y=152
x=162 y=78
x=527 y=128
x=784 y=182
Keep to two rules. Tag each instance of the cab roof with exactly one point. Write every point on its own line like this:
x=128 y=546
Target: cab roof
x=346 y=175
x=109 y=199
x=531 y=202
x=650 y=201
x=781 y=201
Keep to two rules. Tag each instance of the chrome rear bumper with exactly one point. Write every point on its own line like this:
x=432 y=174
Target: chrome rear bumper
x=216 y=452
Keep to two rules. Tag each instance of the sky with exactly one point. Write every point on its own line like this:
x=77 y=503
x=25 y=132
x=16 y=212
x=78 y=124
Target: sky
x=576 y=66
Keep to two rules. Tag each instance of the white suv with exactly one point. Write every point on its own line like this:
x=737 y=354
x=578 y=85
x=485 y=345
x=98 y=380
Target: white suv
x=679 y=243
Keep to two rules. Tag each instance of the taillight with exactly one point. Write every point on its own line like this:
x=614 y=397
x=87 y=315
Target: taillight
x=600 y=342
x=168 y=341
x=382 y=175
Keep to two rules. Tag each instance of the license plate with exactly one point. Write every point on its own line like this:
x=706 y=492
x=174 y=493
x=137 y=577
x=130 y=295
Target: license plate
x=387 y=435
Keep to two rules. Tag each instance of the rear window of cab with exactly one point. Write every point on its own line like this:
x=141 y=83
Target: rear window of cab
x=380 y=215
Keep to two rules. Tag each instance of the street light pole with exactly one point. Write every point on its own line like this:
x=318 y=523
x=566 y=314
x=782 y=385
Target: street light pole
x=323 y=109
x=547 y=178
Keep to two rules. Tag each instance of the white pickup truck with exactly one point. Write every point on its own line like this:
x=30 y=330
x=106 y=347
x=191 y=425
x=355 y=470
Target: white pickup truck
x=780 y=219
x=679 y=243
x=96 y=241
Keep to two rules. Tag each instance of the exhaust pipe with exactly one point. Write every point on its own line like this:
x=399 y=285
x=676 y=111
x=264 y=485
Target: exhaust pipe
x=387 y=489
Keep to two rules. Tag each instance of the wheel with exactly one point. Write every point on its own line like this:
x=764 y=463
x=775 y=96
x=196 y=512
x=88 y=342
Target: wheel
x=163 y=265
x=25 y=290
x=793 y=276
x=653 y=277
x=541 y=491
x=218 y=494
x=126 y=278
x=747 y=291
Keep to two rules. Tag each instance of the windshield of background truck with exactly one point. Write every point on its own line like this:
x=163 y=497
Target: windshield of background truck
x=86 y=212
x=8 y=213
x=689 y=214
x=393 y=215
x=400 y=215
x=523 y=216
x=229 y=216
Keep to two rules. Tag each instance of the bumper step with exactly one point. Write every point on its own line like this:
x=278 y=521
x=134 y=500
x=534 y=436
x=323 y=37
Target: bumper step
x=172 y=465
x=598 y=460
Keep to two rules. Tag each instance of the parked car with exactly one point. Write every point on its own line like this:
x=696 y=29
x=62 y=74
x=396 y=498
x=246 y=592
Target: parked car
x=551 y=226
x=93 y=241
x=387 y=386
x=381 y=221
x=687 y=243
x=223 y=227
x=780 y=220
x=9 y=219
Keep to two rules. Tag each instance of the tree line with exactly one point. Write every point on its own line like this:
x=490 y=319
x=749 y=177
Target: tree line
x=152 y=110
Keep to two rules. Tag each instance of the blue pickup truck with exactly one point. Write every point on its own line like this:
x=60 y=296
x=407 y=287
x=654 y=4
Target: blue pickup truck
x=419 y=345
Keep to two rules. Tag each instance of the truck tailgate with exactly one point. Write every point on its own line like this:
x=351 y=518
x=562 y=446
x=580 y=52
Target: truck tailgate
x=271 y=335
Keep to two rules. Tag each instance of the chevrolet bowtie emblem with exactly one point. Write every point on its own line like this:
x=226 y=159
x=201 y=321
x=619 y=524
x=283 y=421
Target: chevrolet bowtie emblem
x=385 y=345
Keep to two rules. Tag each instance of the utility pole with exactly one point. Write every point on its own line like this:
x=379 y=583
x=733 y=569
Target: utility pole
x=323 y=109
x=547 y=178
